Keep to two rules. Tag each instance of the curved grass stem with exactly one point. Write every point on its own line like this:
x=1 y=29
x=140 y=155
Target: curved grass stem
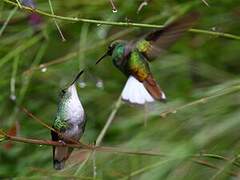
x=125 y=24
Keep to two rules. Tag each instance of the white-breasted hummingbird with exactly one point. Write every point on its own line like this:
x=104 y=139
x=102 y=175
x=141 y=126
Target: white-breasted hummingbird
x=69 y=123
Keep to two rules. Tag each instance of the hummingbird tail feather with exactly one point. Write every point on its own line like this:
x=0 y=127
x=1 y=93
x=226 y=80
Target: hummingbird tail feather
x=134 y=92
x=153 y=88
x=61 y=154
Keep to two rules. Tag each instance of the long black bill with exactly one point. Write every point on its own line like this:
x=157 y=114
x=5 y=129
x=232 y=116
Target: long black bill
x=77 y=77
x=105 y=55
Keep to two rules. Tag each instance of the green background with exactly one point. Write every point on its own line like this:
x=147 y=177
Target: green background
x=197 y=66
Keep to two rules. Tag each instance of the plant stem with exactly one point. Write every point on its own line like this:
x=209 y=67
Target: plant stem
x=102 y=134
x=19 y=4
x=234 y=88
x=7 y=20
x=58 y=27
x=125 y=24
x=20 y=49
x=205 y=2
x=114 y=9
x=108 y=122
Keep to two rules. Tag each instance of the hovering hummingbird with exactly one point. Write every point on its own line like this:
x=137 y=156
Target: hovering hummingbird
x=132 y=59
x=70 y=123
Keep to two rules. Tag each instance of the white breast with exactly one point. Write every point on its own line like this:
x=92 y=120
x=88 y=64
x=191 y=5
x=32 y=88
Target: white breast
x=75 y=109
x=75 y=114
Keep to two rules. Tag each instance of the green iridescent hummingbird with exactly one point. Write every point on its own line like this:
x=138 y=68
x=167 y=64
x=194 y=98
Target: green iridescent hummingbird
x=69 y=123
x=132 y=59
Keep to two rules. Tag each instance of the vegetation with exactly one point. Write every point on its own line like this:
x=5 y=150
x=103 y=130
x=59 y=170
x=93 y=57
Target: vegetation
x=195 y=135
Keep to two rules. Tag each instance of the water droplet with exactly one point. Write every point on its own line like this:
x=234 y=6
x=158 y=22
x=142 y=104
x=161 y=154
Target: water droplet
x=174 y=112
x=82 y=84
x=114 y=10
x=43 y=68
x=40 y=145
x=99 y=84
x=214 y=28
x=13 y=97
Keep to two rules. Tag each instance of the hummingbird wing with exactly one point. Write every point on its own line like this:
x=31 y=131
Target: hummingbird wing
x=139 y=68
x=159 y=40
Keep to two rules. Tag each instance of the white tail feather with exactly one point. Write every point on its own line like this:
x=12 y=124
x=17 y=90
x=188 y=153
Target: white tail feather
x=135 y=92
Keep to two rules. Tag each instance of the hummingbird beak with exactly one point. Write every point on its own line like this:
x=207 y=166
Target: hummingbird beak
x=105 y=55
x=77 y=77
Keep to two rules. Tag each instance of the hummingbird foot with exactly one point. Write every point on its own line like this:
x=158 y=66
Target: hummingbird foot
x=62 y=142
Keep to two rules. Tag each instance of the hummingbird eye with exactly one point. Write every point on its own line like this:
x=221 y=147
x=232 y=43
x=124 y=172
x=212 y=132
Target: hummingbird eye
x=110 y=47
x=63 y=91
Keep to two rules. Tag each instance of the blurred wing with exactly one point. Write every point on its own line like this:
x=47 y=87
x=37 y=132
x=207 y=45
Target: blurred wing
x=158 y=41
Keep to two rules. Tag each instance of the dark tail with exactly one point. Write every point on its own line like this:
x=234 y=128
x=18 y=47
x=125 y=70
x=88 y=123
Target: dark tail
x=58 y=165
x=60 y=154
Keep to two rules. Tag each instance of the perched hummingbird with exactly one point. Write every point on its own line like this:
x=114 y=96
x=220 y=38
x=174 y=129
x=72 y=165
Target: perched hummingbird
x=70 y=123
x=132 y=59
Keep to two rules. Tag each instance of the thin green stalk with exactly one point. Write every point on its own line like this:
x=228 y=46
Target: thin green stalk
x=71 y=55
x=124 y=24
x=108 y=122
x=27 y=77
x=50 y=175
x=204 y=163
x=58 y=27
x=19 y=4
x=94 y=165
x=13 y=78
x=5 y=136
x=114 y=9
x=146 y=168
x=82 y=164
x=102 y=133
x=83 y=41
x=20 y=49
x=205 y=2
x=1 y=9
x=233 y=89
x=222 y=170
x=7 y=20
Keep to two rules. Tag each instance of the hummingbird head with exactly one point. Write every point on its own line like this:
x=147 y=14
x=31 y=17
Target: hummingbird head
x=66 y=92
x=110 y=50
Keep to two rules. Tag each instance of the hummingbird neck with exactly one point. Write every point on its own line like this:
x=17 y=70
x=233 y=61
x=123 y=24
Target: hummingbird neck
x=118 y=57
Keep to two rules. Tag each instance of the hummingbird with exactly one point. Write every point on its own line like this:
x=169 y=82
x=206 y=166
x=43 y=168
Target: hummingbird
x=132 y=59
x=69 y=122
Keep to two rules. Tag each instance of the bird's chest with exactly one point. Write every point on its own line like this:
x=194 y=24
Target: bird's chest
x=72 y=119
x=121 y=64
x=75 y=119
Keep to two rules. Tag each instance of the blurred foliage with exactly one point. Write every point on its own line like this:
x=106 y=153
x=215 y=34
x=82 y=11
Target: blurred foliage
x=197 y=66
